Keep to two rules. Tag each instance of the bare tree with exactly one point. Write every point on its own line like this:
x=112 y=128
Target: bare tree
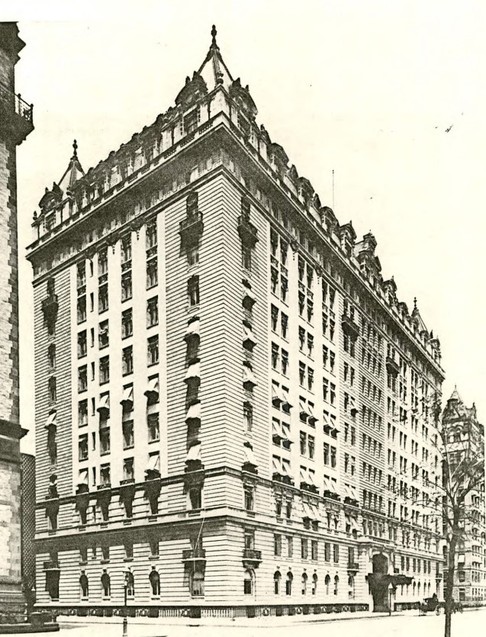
x=461 y=442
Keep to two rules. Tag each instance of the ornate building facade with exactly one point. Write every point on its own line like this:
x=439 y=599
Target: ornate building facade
x=232 y=405
x=15 y=125
x=464 y=439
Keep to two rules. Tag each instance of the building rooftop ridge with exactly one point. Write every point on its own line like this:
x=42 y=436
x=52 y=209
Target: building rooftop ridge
x=213 y=75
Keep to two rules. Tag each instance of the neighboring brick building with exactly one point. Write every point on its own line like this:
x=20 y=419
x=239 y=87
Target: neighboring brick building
x=15 y=125
x=232 y=406
x=28 y=520
x=464 y=437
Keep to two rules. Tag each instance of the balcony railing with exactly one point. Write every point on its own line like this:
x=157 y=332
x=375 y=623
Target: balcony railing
x=350 y=327
x=247 y=231
x=252 y=555
x=190 y=229
x=392 y=366
x=20 y=106
x=191 y=555
x=353 y=567
x=16 y=116
x=51 y=565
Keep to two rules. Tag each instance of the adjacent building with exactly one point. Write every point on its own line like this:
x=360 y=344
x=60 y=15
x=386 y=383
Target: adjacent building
x=233 y=408
x=15 y=125
x=463 y=436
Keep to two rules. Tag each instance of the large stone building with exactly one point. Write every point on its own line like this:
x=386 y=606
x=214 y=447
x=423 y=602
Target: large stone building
x=232 y=406
x=15 y=125
x=463 y=436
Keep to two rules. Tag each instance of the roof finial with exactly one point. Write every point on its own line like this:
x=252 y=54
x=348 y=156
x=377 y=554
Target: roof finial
x=415 y=303
x=214 y=34
x=75 y=149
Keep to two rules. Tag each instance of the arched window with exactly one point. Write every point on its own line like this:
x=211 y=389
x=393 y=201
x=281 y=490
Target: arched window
x=327 y=583
x=106 y=583
x=304 y=583
x=84 y=584
x=351 y=587
x=276 y=582
x=248 y=582
x=154 y=578
x=130 y=583
x=336 y=585
x=418 y=589
x=314 y=584
x=288 y=583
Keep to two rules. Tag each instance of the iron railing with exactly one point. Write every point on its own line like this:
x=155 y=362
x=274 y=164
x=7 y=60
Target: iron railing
x=20 y=106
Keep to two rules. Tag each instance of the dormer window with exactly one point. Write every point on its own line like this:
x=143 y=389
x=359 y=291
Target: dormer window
x=191 y=120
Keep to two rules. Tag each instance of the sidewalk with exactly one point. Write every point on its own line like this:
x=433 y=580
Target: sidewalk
x=256 y=622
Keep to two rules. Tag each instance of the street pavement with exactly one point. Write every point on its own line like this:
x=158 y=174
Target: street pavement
x=468 y=624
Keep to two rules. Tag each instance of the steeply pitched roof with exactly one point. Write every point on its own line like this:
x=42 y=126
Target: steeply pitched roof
x=417 y=318
x=213 y=70
x=73 y=172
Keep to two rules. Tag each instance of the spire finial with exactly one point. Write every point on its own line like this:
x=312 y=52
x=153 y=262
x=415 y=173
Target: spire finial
x=414 y=302
x=75 y=149
x=213 y=35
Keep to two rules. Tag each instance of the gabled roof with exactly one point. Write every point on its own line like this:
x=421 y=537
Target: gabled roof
x=73 y=172
x=455 y=395
x=418 y=319
x=213 y=70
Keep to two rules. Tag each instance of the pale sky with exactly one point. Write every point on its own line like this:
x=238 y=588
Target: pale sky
x=365 y=87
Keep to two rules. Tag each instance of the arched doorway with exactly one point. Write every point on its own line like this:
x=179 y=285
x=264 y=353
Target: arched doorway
x=378 y=582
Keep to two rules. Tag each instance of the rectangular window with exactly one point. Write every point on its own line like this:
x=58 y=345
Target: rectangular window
x=193 y=290
x=82 y=378
x=249 y=498
x=105 y=441
x=105 y=475
x=152 y=311
x=301 y=373
x=127 y=360
x=126 y=249
x=82 y=413
x=290 y=546
x=336 y=553
x=82 y=345
x=104 y=370
x=128 y=439
x=153 y=427
x=314 y=550
x=102 y=263
x=304 y=548
x=81 y=274
x=311 y=444
x=277 y=545
x=103 y=334
x=128 y=471
x=152 y=273
x=284 y=322
x=327 y=552
x=151 y=235
x=193 y=256
x=274 y=312
x=246 y=258
x=128 y=550
x=127 y=323
x=81 y=309
x=126 y=286
x=103 y=298
x=83 y=447
x=153 y=350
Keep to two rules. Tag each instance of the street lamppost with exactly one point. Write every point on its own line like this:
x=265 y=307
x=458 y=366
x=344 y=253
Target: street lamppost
x=125 y=609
